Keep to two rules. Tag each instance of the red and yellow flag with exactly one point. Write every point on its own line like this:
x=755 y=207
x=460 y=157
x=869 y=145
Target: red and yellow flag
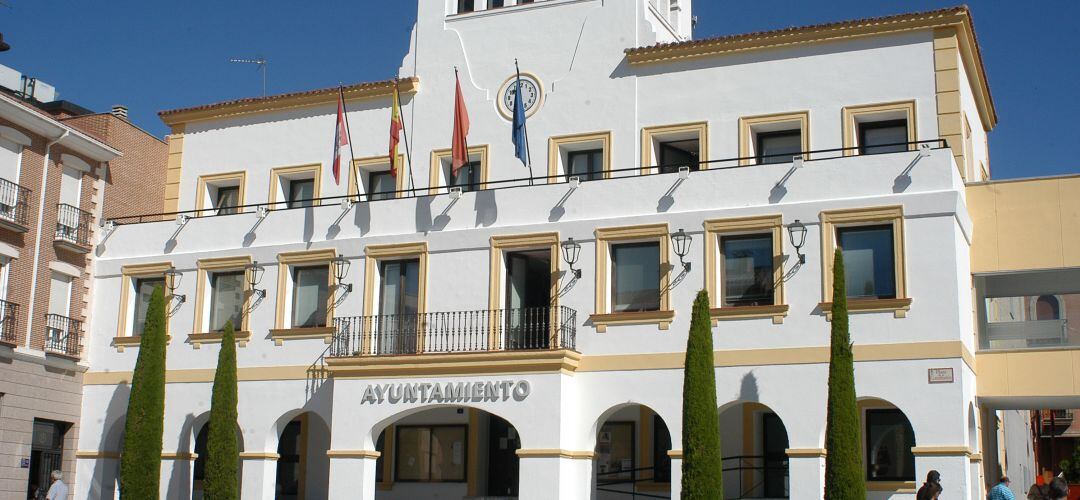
x=395 y=132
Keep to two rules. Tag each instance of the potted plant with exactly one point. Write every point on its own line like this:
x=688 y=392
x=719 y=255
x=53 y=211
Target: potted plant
x=1070 y=468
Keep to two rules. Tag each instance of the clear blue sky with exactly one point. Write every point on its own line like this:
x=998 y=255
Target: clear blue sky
x=153 y=55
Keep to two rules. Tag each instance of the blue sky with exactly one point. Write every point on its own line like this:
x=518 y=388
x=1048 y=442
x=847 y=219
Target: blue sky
x=154 y=55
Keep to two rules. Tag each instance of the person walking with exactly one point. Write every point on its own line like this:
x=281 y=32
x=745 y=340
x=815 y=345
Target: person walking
x=1001 y=491
x=58 y=490
x=1041 y=489
x=931 y=488
x=1058 y=489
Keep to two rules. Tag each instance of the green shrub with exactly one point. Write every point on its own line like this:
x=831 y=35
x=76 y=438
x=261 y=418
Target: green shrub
x=223 y=453
x=702 y=467
x=140 y=458
x=843 y=463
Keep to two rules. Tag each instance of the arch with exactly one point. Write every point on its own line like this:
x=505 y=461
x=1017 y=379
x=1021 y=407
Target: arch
x=303 y=467
x=381 y=425
x=1047 y=308
x=754 y=441
x=200 y=428
x=887 y=437
x=15 y=136
x=75 y=162
x=630 y=442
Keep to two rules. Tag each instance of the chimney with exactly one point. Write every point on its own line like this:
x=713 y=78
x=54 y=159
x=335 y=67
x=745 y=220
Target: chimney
x=120 y=111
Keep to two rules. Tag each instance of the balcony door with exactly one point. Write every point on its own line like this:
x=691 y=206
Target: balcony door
x=70 y=191
x=528 y=299
x=58 y=327
x=399 y=305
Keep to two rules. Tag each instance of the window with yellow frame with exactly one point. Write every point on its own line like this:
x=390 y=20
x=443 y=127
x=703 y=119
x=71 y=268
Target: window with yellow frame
x=371 y=177
x=137 y=284
x=632 y=275
x=585 y=156
x=473 y=176
x=744 y=268
x=222 y=294
x=221 y=194
x=879 y=128
x=305 y=296
x=296 y=186
x=670 y=147
x=872 y=242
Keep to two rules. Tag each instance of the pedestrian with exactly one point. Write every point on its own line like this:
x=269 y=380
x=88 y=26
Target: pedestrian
x=1001 y=491
x=1058 y=489
x=1041 y=489
x=58 y=490
x=931 y=488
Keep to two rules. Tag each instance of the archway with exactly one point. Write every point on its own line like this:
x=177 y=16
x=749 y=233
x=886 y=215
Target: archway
x=198 y=476
x=887 y=437
x=303 y=467
x=631 y=453
x=447 y=452
x=754 y=443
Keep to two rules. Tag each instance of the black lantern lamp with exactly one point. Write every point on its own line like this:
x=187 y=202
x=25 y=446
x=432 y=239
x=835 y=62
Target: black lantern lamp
x=341 y=270
x=797 y=233
x=680 y=241
x=254 y=276
x=571 y=250
x=173 y=277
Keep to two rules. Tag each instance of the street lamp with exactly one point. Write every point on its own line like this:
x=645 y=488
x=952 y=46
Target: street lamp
x=173 y=277
x=571 y=250
x=254 y=276
x=680 y=240
x=341 y=270
x=797 y=233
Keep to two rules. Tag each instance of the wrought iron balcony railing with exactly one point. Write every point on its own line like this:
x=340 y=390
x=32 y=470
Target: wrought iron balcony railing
x=9 y=321
x=1057 y=417
x=13 y=205
x=63 y=335
x=73 y=225
x=523 y=329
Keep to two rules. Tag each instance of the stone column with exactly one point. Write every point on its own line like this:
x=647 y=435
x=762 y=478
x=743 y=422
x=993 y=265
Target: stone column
x=676 y=473
x=258 y=475
x=176 y=471
x=806 y=472
x=352 y=474
x=554 y=474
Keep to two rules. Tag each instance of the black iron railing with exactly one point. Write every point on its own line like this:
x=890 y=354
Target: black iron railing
x=73 y=225
x=524 y=329
x=491 y=185
x=9 y=321
x=628 y=482
x=13 y=202
x=63 y=334
x=768 y=474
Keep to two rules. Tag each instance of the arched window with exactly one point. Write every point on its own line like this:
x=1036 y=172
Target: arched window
x=1047 y=307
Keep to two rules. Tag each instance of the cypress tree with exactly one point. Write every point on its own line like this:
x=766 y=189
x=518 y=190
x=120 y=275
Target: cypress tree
x=702 y=467
x=223 y=454
x=843 y=465
x=140 y=459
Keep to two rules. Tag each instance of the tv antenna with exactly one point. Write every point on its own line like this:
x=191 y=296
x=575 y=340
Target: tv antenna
x=260 y=63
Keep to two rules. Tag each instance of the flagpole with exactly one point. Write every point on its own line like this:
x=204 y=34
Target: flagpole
x=348 y=133
x=525 y=123
x=405 y=133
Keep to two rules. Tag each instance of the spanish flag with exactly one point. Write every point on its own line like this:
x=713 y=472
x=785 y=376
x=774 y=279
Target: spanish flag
x=395 y=131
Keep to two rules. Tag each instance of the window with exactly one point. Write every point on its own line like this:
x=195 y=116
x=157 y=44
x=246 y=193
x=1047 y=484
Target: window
x=10 y=160
x=587 y=165
x=777 y=147
x=869 y=261
x=889 y=136
x=60 y=294
x=309 y=297
x=221 y=194
x=616 y=451
x=372 y=177
x=748 y=274
x=497 y=3
x=301 y=193
x=399 y=303
x=470 y=177
x=635 y=277
x=144 y=289
x=465 y=6
x=226 y=199
x=467 y=177
x=889 y=439
x=430 y=453
x=674 y=146
x=677 y=154
x=226 y=300
x=381 y=186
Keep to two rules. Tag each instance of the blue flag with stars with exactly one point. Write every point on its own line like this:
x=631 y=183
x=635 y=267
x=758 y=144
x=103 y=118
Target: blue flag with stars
x=521 y=149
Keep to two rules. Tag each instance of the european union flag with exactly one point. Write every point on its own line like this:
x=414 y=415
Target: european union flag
x=521 y=140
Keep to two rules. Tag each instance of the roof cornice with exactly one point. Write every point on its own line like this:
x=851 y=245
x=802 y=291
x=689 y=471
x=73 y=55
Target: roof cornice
x=956 y=17
x=252 y=105
x=38 y=122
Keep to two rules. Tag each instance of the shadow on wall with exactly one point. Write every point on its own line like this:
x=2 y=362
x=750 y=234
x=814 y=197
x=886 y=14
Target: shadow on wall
x=105 y=477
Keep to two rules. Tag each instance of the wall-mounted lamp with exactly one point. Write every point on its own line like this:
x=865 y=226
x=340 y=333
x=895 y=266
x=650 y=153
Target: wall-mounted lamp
x=924 y=150
x=455 y=193
x=574 y=181
x=571 y=249
x=680 y=241
x=797 y=233
x=254 y=276
x=110 y=226
x=797 y=161
x=341 y=270
x=262 y=212
x=346 y=204
x=181 y=219
x=684 y=173
x=173 y=277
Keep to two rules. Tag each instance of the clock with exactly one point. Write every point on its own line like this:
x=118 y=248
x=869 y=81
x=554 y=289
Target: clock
x=531 y=95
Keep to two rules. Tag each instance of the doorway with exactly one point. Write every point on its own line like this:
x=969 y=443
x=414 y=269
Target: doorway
x=503 y=466
x=528 y=299
x=774 y=447
x=46 y=454
x=399 y=305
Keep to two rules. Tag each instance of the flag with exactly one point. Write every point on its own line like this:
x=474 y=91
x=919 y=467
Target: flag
x=521 y=148
x=395 y=131
x=341 y=137
x=459 y=144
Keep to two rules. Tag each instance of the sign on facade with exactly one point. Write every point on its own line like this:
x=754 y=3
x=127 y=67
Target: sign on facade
x=940 y=375
x=450 y=392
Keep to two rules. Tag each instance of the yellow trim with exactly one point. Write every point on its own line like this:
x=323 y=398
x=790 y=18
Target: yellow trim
x=604 y=238
x=362 y=454
x=198 y=339
x=675 y=454
x=644 y=430
x=128 y=272
x=940 y=451
x=394 y=251
x=947 y=95
x=747 y=124
x=473 y=450
x=388 y=461
x=555 y=145
x=205 y=268
x=315 y=169
x=805 y=452
x=328 y=96
x=183 y=455
x=173 y=169
x=832 y=219
x=714 y=230
x=851 y=115
x=366 y=164
x=258 y=455
x=891 y=486
x=899 y=307
x=429 y=365
x=436 y=182
x=287 y=259
x=554 y=453
x=497 y=263
x=201 y=193
x=280 y=335
x=97 y=455
x=650 y=159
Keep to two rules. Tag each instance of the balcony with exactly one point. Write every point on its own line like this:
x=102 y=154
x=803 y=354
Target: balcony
x=482 y=331
x=9 y=320
x=13 y=206
x=63 y=335
x=1056 y=418
x=73 y=228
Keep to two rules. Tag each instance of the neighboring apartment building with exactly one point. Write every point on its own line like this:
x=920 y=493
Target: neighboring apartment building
x=501 y=330
x=58 y=174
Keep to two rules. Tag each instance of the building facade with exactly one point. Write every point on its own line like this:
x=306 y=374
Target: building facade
x=517 y=329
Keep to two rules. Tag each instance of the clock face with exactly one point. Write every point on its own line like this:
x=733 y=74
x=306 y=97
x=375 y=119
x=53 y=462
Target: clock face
x=530 y=94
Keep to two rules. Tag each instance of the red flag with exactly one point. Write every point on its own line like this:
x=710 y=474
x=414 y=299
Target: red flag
x=341 y=138
x=395 y=132
x=460 y=144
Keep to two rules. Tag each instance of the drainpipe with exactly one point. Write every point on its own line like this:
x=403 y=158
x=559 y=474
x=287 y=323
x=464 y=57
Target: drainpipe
x=37 y=240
